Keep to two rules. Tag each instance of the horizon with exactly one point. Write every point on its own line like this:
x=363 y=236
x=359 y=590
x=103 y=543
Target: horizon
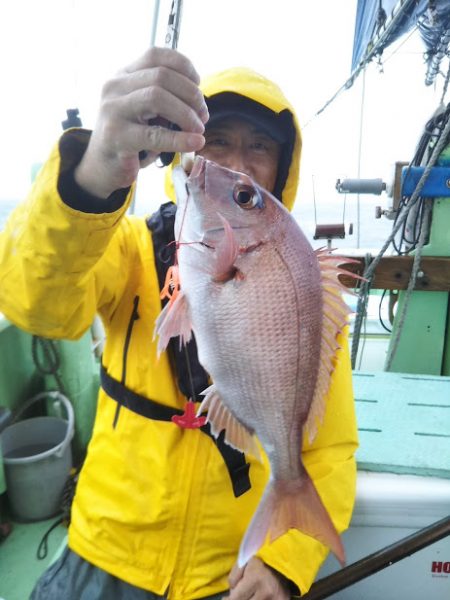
x=94 y=40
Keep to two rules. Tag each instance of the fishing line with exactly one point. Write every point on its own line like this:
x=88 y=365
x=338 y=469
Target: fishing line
x=361 y=313
x=361 y=353
x=361 y=124
x=344 y=207
x=189 y=370
x=361 y=350
x=172 y=286
x=394 y=52
x=314 y=202
x=177 y=283
x=183 y=218
x=351 y=80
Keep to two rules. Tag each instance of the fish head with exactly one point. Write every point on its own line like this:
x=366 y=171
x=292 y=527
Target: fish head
x=212 y=194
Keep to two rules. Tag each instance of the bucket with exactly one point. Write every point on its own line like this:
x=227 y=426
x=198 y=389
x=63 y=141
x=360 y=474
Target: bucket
x=37 y=458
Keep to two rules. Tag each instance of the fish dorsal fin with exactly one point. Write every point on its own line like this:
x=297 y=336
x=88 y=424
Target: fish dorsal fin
x=220 y=418
x=335 y=318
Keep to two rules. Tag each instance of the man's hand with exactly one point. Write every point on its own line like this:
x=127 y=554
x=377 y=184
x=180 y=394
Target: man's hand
x=136 y=106
x=256 y=581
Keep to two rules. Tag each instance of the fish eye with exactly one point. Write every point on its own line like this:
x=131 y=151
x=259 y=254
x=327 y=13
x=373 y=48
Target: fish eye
x=246 y=196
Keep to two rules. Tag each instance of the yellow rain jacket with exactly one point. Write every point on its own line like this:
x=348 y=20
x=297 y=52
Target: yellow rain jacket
x=154 y=505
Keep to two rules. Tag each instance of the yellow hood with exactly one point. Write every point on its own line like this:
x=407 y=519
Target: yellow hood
x=244 y=81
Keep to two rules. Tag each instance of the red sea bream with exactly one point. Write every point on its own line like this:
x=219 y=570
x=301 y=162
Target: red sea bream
x=265 y=309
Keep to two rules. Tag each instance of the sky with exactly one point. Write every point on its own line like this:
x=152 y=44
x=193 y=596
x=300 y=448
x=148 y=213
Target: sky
x=56 y=54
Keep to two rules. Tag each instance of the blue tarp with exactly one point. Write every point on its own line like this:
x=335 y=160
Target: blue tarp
x=431 y=16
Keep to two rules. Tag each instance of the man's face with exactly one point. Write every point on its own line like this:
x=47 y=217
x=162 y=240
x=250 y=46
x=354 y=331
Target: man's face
x=239 y=145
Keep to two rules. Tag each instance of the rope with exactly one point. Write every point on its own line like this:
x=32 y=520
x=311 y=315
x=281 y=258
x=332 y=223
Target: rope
x=361 y=311
x=42 y=550
x=444 y=89
x=67 y=497
x=50 y=362
x=434 y=63
x=411 y=285
x=370 y=270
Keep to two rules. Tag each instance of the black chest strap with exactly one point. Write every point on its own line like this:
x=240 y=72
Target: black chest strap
x=235 y=462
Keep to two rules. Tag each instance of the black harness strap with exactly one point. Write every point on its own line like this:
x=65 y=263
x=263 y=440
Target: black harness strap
x=235 y=462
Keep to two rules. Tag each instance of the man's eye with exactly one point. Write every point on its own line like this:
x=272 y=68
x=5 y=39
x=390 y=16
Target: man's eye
x=216 y=141
x=263 y=143
x=260 y=146
x=265 y=147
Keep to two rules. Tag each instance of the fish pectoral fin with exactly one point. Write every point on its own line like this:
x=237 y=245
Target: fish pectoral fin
x=174 y=320
x=226 y=252
x=221 y=418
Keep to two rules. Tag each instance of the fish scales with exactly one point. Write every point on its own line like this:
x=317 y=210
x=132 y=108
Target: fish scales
x=263 y=344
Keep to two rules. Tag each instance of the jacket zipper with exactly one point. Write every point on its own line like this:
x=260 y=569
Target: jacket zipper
x=134 y=317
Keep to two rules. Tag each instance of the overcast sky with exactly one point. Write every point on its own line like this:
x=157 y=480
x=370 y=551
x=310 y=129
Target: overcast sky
x=56 y=54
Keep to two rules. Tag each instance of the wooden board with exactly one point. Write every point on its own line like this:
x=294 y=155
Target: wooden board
x=394 y=272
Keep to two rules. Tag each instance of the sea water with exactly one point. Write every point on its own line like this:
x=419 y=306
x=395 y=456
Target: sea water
x=6 y=206
x=372 y=232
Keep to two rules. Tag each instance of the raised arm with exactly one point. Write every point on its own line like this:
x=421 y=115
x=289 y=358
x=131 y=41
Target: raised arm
x=55 y=252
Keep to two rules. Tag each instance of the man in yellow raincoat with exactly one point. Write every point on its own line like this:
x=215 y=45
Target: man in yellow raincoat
x=160 y=510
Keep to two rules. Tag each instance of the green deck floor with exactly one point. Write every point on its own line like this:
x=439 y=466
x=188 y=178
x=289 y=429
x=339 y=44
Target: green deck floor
x=403 y=423
x=19 y=567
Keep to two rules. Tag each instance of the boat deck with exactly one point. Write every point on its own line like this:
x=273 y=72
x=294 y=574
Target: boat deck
x=19 y=566
x=403 y=423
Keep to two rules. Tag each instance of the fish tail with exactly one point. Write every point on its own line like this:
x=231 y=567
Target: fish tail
x=290 y=505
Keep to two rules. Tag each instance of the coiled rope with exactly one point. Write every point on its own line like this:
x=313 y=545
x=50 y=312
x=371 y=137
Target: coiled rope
x=47 y=360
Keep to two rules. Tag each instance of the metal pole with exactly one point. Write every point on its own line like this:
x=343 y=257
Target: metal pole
x=154 y=22
x=377 y=561
x=156 y=5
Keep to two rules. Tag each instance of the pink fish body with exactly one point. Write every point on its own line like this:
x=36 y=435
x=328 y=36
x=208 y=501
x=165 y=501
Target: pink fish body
x=265 y=309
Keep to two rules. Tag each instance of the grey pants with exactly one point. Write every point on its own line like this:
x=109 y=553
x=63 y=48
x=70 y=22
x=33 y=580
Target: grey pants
x=73 y=578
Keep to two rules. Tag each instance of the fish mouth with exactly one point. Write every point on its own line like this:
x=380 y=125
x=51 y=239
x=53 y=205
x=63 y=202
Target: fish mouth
x=187 y=162
x=194 y=167
x=213 y=235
